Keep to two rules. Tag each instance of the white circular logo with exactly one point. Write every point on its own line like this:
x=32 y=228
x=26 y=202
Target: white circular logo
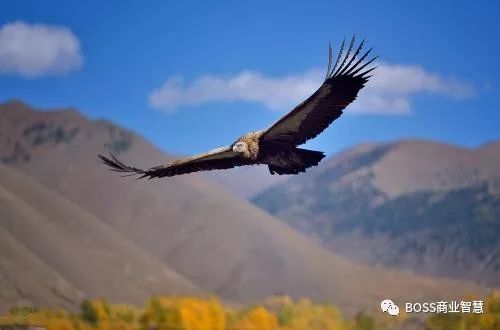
x=389 y=307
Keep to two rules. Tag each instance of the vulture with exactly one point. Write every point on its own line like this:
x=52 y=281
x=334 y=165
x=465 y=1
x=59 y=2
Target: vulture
x=277 y=146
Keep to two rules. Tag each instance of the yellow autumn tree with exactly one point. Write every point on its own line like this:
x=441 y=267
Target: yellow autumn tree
x=202 y=314
x=257 y=318
x=275 y=313
x=306 y=315
x=184 y=313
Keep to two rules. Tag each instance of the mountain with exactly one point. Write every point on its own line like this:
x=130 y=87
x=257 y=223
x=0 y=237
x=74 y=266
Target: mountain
x=422 y=206
x=54 y=252
x=236 y=180
x=216 y=240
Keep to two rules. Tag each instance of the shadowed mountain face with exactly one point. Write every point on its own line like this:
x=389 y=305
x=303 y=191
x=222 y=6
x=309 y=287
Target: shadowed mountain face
x=221 y=243
x=418 y=205
x=54 y=252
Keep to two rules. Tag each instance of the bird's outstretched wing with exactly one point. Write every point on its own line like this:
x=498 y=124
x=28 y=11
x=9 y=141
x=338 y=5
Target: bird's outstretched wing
x=217 y=159
x=341 y=86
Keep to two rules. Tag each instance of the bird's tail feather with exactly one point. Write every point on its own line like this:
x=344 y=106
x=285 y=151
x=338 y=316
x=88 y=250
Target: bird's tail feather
x=310 y=157
x=300 y=160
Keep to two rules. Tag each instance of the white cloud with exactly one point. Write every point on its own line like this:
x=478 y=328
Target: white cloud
x=392 y=86
x=33 y=50
x=389 y=91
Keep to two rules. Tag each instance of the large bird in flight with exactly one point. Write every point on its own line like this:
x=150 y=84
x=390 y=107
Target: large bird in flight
x=276 y=146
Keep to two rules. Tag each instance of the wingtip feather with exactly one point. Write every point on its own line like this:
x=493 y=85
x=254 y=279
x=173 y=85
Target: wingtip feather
x=116 y=165
x=347 y=65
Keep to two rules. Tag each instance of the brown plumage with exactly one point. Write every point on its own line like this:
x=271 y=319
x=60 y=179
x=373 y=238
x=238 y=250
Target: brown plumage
x=277 y=145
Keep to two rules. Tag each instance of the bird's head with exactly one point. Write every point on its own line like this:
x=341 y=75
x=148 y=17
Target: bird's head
x=240 y=147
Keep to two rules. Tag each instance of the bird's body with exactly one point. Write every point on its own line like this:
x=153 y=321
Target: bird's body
x=281 y=158
x=277 y=146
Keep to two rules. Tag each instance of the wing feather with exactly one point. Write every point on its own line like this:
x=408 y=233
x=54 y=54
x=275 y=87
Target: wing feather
x=317 y=112
x=217 y=159
x=346 y=56
x=338 y=58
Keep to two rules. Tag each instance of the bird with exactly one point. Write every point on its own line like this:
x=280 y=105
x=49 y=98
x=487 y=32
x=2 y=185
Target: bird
x=278 y=145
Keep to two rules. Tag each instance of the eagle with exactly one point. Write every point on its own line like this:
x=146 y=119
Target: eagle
x=277 y=146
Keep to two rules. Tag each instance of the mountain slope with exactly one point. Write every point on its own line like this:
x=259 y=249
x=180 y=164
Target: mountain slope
x=418 y=205
x=70 y=254
x=236 y=180
x=46 y=288
x=218 y=241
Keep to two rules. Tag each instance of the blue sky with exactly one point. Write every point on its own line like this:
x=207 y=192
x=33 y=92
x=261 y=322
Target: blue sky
x=165 y=68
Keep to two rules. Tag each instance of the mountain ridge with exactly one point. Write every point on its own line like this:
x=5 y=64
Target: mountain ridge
x=414 y=204
x=216 y=240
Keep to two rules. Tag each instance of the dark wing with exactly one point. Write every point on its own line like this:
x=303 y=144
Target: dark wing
x=340 y=88
x=217 y=159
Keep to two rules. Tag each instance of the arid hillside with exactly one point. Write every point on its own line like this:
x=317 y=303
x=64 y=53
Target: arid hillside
x=423 y=206
x=219 y=242
x=54 y=252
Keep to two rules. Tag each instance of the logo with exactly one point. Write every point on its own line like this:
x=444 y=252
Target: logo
x=389 y=307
